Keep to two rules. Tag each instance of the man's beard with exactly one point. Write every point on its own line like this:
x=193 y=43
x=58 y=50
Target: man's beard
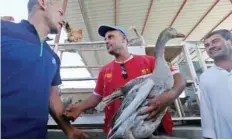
x=114 y=53
x=223 y=55
x=53 y=30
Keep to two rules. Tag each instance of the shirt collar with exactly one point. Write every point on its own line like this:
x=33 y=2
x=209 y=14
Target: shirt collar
x=131 y=56
x=219 y=68
x=30 y=27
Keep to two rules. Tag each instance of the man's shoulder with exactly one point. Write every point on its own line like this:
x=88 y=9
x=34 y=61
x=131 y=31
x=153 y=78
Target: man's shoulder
x=15 y=31
x=5 y=23
x=109 y=65
x=144 y=57
x=7 y=27
x=207 y=74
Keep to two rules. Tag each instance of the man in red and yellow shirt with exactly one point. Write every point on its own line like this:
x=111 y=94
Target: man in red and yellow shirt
x=118 y=72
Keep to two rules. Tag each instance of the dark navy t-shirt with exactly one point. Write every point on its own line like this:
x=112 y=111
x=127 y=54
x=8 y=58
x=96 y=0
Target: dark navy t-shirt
x=28 y=70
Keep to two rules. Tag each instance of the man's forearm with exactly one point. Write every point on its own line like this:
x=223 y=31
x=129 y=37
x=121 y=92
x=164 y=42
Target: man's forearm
x=179 y=85
x=56 y=109
x=91 y=102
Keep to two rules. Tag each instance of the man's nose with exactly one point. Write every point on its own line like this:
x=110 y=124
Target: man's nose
x=107 y=41
x=211 y=47
x=62 y=11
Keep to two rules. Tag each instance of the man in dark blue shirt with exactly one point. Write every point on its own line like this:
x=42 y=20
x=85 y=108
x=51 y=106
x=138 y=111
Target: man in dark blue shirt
x=30 y=74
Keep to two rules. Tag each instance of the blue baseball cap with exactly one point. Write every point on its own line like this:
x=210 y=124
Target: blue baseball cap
x=103 y=29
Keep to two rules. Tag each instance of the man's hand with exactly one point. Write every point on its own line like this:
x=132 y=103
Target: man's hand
x=72 y=111
x=77 y=134
x=158 y=104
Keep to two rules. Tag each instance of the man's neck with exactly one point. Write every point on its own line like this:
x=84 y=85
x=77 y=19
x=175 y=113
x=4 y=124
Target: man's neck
x=225 y=64
x=123 y=57
x=41 y=28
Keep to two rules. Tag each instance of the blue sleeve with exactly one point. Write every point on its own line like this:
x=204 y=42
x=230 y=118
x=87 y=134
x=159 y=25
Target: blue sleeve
x=57 y=78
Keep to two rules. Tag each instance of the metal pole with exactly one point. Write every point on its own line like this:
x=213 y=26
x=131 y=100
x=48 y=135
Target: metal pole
x=220 y=22
x=79 y=79
x=73 y=67
x=178 y=12
x=115 y=12
x=177 y=102
x=207 y=12
x=192 y=70
x=81 y=49
x=61 y=56
x=200 y=57
x=147 y=15
x=79 y=43
x=55 y=48
x=177 y=105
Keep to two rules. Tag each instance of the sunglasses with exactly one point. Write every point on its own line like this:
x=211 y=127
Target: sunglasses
x=124 y=72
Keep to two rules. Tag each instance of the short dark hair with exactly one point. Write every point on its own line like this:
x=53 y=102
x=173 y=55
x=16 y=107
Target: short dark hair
x=31 y=4
x=226 y=34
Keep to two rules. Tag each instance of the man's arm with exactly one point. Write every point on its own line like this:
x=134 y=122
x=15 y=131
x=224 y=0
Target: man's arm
x=74 y=110
x=159 y=103
x=207 y=122
x=56 y=109
x=179 y=86
x=91 y=102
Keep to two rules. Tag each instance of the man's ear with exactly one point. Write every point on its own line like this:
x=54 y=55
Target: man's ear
x=43 y=4
x=123 y=39
x=228 y=43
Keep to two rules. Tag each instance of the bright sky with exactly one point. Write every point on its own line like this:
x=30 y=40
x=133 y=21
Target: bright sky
x=18 y=10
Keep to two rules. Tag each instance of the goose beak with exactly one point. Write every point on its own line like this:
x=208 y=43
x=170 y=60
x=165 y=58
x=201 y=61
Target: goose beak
x=180 y=35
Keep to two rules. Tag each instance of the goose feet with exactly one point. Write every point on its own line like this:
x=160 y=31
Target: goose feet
x=130 y=134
